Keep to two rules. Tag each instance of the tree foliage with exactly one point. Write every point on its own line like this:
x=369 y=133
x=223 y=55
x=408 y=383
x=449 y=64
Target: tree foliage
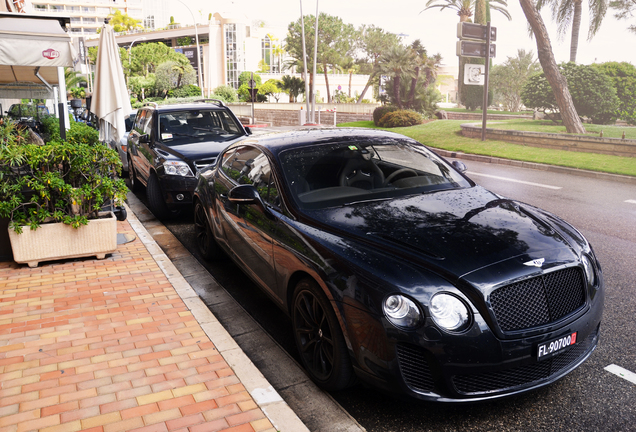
x=336 y=43
x=411 y=72
x=293 y=86
x=225 y=92
x=122 y=22
x=592 y=92
x=623 y=76
x=507 y=80
x=171 y=75
x=372 y=43
x=567 y=14
x=558 y=83
x=624 y=9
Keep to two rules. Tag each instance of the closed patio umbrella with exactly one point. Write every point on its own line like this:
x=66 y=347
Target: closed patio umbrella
x=110 y=103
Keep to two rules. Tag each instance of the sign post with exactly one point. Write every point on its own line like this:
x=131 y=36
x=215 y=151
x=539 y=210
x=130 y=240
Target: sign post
x=470 y=48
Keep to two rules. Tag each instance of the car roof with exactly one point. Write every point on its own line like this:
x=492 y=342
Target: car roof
x=279 y=141
x=186 y=106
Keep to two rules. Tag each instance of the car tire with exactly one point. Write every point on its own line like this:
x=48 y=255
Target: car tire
x=135 y=186
x=156 y=203
x=208 y=247
x=319 y=340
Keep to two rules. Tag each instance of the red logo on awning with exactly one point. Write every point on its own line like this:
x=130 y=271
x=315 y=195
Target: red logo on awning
x=50 y=54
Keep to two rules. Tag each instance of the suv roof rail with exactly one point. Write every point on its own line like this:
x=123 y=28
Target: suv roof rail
x=216 y=101
x=154 y=104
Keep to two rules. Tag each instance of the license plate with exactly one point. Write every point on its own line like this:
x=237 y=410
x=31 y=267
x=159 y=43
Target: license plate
x=555 y=346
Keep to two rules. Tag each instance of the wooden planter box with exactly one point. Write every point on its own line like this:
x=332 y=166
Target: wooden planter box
x=59 y=241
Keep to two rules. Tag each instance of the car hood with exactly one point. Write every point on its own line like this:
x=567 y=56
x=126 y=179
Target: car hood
x=453 y=232
x=194 y=151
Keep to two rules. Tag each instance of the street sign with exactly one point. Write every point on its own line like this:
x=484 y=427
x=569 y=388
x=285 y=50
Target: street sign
x=474 y=74
x=475 y=31
x=474 y=49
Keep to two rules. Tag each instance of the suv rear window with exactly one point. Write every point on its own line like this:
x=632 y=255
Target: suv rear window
x=183 y=127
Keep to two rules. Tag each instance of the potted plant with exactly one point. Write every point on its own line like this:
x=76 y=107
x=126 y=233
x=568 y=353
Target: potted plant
x=53 y=194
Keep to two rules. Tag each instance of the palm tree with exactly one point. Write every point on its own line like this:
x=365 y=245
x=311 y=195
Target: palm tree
x=568 y=12
x=72 y=78
x=464 y=8
x=399 y=61
x=293 y=86
x=571 y=120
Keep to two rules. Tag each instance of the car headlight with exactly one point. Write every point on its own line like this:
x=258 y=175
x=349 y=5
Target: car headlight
x=401 y=311
x=449 y=312
x=589 y=270
x=177 y=168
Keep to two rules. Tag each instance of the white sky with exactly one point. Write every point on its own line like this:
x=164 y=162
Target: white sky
x=436 y=29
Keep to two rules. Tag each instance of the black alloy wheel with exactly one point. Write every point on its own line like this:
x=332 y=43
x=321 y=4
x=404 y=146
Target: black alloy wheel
x=135 y=186
x=319 y=340
x=206 y=244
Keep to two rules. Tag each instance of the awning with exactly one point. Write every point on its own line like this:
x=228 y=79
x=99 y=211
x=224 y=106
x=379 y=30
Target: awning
x=31 y=49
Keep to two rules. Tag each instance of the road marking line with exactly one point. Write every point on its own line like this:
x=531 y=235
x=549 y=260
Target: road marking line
x=514 y=181
x=631 y=201
x=623 y=373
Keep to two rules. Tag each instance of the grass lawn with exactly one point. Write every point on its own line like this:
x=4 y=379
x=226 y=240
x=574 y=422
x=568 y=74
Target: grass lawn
x=446 y=135
x=609 y=131
x=464 y=110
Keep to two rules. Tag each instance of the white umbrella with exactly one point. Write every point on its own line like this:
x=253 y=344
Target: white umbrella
x=111 y=103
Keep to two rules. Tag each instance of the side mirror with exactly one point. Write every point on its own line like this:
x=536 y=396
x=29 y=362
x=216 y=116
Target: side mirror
x=248 y=130
x=247 y=194
x=145 y=138
x=459 y=166
x=244 y=194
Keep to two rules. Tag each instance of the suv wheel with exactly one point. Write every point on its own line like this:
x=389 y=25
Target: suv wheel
x=156 y=202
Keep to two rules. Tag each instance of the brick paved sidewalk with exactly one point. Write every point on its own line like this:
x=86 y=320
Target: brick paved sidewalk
x=110 y=346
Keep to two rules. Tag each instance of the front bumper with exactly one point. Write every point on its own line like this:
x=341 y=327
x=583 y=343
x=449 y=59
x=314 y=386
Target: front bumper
x=177 y=190
x=474 y=366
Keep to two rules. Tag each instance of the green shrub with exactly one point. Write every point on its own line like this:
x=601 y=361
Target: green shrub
x=185 y=91
x=380 y=111
x=401 y=118
x=226 y=93
x=623 y=76
x=58 y=181
x=592 y=92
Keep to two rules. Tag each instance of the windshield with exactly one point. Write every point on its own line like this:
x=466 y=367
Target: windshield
x=185 y=127
x=329 y=175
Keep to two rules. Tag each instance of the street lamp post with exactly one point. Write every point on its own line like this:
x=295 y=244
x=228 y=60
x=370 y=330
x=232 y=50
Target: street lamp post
x=196 y=35
x=130 y=49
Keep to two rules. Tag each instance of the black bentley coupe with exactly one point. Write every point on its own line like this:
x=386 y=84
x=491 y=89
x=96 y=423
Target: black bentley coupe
x=397 y=269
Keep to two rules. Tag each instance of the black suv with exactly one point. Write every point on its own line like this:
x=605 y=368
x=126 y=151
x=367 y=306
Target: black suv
x=168 y=144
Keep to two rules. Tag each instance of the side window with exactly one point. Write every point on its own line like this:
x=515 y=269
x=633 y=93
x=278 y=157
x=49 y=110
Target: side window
x=247 y=165
x=139 y=121
x=147 y=125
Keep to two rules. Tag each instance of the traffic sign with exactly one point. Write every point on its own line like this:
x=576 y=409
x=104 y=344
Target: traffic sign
x=252 y=83
x=474 y=49
x=475 y=31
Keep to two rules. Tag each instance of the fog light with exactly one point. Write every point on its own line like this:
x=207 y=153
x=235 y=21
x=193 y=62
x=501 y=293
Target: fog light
x=179 y=197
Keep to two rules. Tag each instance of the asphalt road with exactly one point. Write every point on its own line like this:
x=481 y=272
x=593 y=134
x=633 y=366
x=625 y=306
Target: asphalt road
x=589 y=399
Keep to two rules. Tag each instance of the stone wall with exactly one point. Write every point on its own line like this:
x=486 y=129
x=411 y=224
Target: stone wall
x=610 y=146
x=276 y=117
x=451 y=115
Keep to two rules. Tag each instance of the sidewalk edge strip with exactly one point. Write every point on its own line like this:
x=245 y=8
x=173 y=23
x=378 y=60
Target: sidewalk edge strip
x=266 y=397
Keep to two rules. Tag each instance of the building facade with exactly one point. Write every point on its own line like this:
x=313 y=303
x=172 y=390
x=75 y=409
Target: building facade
x=87 y=15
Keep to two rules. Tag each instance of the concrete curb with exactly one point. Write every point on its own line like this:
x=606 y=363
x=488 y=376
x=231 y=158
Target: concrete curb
x=536 y=166
x=265 y=396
